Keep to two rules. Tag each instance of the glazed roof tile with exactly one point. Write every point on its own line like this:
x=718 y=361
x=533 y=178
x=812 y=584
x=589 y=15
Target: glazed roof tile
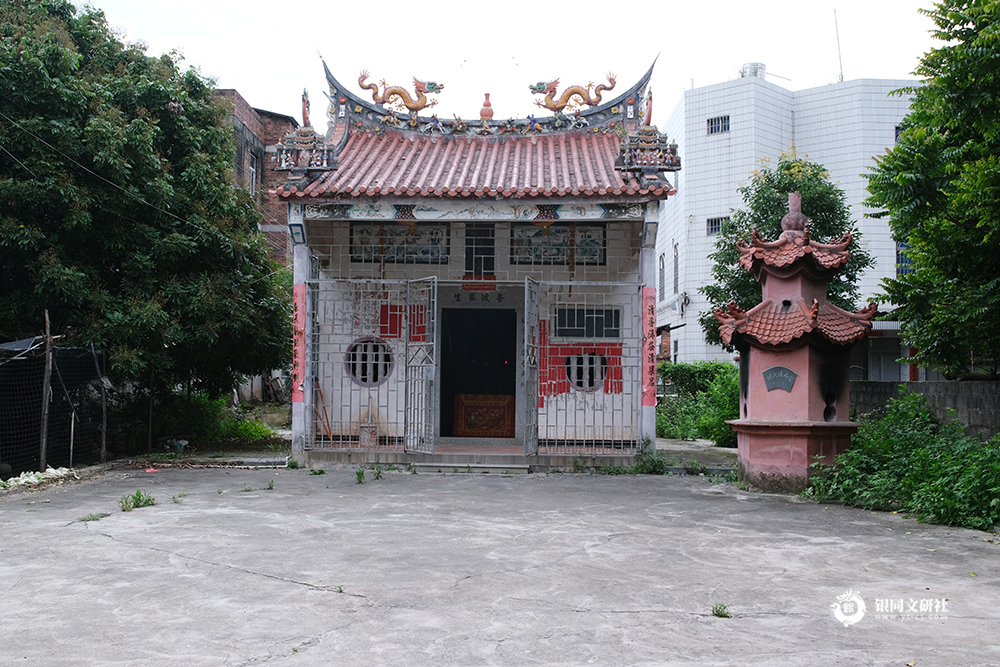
x=403 y=164
x=774 y=324
x=792 y=247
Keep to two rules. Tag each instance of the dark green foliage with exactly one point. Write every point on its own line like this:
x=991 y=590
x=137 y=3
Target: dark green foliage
x=905 y=460
x=204 y=420
x=721 y=402
x=692 y=378
x=117 y=209
x=708 y=393
x=647 y=462
x=940 y=187
x=765 y=198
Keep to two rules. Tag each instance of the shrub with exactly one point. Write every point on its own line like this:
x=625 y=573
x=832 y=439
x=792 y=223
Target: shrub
x=906 y=460
x=708 y=393
x=721 y=402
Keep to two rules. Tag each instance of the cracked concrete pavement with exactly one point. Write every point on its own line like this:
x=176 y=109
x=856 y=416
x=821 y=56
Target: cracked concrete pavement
x=466 y=569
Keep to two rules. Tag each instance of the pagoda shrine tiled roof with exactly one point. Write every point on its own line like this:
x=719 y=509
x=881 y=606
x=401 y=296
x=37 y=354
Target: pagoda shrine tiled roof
x=788 y=323
x=373 y=150
x=792 y=246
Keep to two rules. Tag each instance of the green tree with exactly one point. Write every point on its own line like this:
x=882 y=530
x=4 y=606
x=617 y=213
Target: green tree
x=118 y=212
x=765 y=198
x=940 y=188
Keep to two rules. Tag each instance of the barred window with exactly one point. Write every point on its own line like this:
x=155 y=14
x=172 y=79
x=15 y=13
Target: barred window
x=586 y=371
x=714 y=225
x=369 y=362
x=588 y=322
x=718 y=125
x=661 y=293
x=677 y=270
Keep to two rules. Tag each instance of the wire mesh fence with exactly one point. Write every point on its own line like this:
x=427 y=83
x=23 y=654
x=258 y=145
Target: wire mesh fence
x=53 y=422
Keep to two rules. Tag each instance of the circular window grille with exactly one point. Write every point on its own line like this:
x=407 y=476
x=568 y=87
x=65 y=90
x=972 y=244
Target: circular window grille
x=586 y=371
x=369 y=362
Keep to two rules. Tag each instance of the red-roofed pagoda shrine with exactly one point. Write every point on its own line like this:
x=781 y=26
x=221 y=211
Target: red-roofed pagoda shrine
x=480 y=286
x=794 y=356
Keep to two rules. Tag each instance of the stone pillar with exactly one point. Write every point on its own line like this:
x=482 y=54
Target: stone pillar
x=302 y=270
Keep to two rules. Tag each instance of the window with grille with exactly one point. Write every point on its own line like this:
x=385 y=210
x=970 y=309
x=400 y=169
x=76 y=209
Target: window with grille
x=677 y=270
x=588 y=322
x=718 y=125
x=662 y=291
x=253 y=174
x=714 y=225
x=369 y=362
x=480 y=249
x=586 y=371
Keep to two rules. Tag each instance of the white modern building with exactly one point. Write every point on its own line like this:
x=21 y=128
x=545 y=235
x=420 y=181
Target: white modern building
x=722 y=132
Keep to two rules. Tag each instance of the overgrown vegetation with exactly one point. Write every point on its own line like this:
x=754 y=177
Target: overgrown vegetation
x=708 y=393
x=647 y=462
x=905 y=460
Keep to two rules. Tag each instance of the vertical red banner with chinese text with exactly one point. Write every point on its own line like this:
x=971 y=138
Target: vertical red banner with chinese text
x=649 y=346
x=298 y=342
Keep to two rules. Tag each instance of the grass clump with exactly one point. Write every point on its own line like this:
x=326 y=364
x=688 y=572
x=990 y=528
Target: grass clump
x=905 y=460
x=97 y=516
x=721 y=610
x=135 y=501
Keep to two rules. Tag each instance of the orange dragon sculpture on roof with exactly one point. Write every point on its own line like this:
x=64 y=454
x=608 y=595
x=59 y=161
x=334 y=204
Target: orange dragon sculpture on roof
x=401 y=94
x=553 y=104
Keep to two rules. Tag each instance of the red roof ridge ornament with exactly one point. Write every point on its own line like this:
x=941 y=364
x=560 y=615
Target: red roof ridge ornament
x=400 y=94
x=579 y=92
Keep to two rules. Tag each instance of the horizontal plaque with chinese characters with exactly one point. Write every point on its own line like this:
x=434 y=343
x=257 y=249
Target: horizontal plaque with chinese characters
x=779 y=377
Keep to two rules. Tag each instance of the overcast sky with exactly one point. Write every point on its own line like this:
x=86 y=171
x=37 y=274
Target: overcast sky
x=268 y=51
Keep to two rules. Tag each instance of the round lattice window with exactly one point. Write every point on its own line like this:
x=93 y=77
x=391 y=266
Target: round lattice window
x=586 y=371
x=369 y=362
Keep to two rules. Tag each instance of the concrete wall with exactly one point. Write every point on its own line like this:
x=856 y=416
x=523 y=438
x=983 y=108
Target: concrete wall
x=974 y=403
x=840 y=126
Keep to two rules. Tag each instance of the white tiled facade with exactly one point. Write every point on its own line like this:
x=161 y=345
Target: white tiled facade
x=841 y=126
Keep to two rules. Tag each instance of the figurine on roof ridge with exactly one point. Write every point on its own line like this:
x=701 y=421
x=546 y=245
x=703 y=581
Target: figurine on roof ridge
x=402 y=95
x=583 y=94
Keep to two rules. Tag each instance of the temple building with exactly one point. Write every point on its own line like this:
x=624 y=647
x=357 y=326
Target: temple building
x=474 y=285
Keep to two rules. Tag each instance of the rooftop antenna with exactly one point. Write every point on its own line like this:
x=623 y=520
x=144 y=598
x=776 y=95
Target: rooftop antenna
x=840 y=59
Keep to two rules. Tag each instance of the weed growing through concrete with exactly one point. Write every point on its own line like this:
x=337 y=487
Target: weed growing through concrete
x=292 y=464
x=721 y=610
x=693 y=467
x=219 y=491
x=94 y=517
x=314 y=471
x=269 y=487
x=138 y=499
x=359 y=475
x=378 y=472
x=246 y=489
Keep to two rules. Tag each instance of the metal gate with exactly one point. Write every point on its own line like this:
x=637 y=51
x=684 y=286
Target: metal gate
x=421 y=302
x=531 y=346
x=369 y=378
x=588 y=392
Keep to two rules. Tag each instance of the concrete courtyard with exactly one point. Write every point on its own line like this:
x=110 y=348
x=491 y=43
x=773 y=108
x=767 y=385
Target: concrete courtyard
x=467 y=569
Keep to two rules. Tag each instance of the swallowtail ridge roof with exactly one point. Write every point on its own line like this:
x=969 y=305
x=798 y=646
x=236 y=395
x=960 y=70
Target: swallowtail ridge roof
x=606 y=151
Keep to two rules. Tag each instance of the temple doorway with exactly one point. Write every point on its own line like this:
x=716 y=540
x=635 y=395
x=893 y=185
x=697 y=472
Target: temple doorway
x=478 y=372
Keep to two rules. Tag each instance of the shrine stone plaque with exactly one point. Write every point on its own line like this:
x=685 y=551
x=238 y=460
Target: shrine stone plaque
x=779 y=377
